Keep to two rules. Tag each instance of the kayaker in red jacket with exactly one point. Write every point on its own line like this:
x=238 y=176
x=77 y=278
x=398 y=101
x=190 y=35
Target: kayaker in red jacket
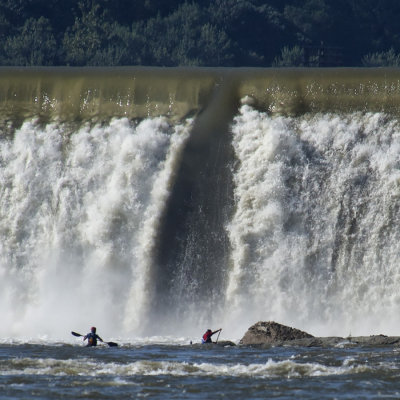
x=207 y=336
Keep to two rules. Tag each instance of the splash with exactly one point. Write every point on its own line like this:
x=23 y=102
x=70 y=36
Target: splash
x=285 y=210
x=314 y=237
x=76 y=216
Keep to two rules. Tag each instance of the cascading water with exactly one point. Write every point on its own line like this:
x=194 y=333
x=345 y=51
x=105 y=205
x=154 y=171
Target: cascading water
x=150 y=202
x=78 y=213
x=315 y=235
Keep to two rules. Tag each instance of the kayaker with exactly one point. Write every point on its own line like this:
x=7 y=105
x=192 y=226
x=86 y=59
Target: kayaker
x=207 y=336
x=92 y=337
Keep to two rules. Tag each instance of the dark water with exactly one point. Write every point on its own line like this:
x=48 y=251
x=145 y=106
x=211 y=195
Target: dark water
x=64 y=371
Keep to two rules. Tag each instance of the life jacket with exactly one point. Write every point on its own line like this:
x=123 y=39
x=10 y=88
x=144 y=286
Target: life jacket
x=207 y=337
x=91 y=338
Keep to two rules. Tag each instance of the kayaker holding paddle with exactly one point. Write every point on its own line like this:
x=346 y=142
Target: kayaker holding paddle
x=92 y=337
x=207 y=336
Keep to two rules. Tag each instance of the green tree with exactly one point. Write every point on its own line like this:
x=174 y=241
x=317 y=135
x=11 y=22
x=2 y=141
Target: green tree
x=95 y=40
x=378 y=23
x=290 y=57
x=126 y=12
x=383 y=59
x=214 y=46
x=196 y=32
x=255 y=28
x=312 y=20
x=185 y=37
x=33 y=45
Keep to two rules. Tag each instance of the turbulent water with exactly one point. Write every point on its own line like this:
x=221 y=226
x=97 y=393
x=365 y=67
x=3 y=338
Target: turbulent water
x=161 y=371
x=156 y=203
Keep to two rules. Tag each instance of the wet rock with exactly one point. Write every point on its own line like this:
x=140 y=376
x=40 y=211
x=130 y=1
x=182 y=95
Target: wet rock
x=225 y=343
x=374 y=340
x=268 y=334
x=271 y=332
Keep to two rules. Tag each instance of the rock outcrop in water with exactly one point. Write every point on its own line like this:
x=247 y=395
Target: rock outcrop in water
x=271 y=332
x=267 y=334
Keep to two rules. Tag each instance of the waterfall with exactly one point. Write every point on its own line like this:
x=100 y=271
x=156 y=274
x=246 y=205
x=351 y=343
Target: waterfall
x=149 y=201
x=315 y=233
x=77 y=213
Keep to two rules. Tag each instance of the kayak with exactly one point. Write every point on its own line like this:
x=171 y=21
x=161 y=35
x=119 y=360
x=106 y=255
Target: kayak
x=222 y=343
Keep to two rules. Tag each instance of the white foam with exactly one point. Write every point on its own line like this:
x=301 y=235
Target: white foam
x=77 y=213
x=314 y=235
x=88 y=367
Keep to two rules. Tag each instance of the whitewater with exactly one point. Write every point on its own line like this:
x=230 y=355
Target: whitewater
x=77 y=220
x=157 y=203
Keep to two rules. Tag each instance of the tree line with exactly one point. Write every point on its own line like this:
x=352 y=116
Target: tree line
x=229 y=33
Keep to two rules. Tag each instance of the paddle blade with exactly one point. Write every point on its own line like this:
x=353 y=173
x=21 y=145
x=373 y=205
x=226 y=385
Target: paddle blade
x=112 y=344
x=76 y=334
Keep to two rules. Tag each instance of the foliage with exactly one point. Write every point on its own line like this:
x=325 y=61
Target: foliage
x=87 y=41
x=311 y=19
x=184 y=37
x=34 y=44
x=383 y=59
x=256 y=29
x=197 y=32
x=290 y=57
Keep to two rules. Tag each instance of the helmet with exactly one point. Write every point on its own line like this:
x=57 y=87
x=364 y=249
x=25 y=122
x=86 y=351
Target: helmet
x=93 y=329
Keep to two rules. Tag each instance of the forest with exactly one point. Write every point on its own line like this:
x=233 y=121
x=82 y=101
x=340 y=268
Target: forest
x=214 y=33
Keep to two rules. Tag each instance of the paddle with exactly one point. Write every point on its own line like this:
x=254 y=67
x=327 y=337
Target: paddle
x=218 y=335
x=111 y=344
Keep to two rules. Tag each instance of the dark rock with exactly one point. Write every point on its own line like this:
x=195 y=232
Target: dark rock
x=222 y=343
x=375 y=340
x=225 y=343
x=271 y=332
x=267 y=334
